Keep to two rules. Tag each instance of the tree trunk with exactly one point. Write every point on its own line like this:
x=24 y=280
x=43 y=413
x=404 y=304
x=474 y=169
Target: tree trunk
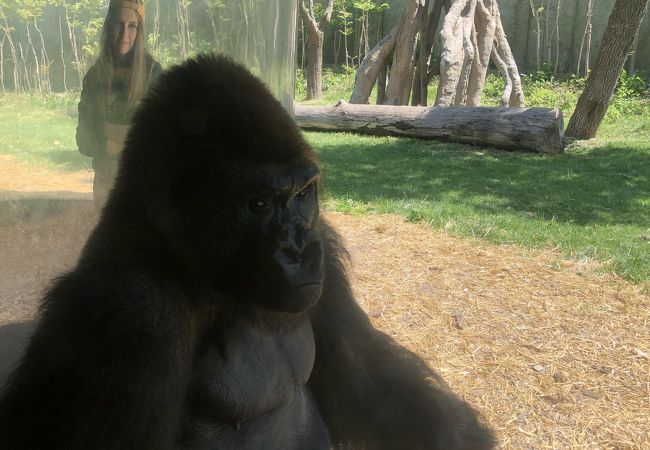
x=538 y=32
x=182 y=35
x=469 y=49
x=624 y=21
x=24 y=65
x=557 y=37
x=632 y=55
x=315 y=67
x=65 y=84
x=12 y=48
x=426 y=49
x=315 y=33
x=2 y=63
x=451 y=59
x=371 y=65
x=471 y=30
x=502 y=50
x=502 y=67
x=155 y=29
x=467 y=39
x=398 y=89
x=37 y=76
x=590 y=14
x=45 y=62
x=381 y=85
x=485 y=21
x=421 y=61
x=586 y=36
x=73 y=43
x=532 y=129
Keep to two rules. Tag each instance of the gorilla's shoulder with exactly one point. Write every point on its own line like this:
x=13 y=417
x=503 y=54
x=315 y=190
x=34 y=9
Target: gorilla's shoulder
x=115 y=297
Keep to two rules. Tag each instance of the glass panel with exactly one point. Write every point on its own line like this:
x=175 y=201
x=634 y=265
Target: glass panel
x=258 y=33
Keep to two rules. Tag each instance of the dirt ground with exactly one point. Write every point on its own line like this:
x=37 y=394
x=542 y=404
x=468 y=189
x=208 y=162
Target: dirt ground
x=554 y=354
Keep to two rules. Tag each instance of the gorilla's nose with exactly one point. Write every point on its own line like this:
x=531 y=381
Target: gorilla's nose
x=290 y=253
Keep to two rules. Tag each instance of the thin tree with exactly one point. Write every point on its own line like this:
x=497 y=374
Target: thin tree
x=7 y=29
x=536 y=11
x=623 y=24
x=557 y=36
x=183 y=29
x=344 y=16
x=38 y=81
x=24 y=66
x=2 y=63
x=45 y=60
x=547 y=33
x=632 y=56
x=315 y=33
x=586 y=36
x=155 y=32
x=78 y=62
x=65 y=83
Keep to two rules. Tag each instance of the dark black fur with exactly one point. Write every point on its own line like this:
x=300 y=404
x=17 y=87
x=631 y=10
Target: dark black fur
x=210 y=308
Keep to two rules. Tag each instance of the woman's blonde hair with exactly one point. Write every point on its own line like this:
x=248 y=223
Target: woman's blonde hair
x=136 y=81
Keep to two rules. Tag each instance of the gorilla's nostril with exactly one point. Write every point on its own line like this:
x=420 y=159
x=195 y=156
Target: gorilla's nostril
x=291 y=255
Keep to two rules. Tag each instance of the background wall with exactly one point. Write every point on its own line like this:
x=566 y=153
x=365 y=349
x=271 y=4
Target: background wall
x=521 y=30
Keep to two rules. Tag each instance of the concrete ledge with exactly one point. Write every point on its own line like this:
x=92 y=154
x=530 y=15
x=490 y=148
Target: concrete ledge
x=28 y=207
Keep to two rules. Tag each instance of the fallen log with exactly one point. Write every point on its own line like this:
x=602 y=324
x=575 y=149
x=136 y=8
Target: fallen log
x=531 y=129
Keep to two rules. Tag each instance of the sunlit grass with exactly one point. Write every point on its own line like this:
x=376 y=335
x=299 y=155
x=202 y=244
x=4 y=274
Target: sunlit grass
x=591 y=202
x=38 y=131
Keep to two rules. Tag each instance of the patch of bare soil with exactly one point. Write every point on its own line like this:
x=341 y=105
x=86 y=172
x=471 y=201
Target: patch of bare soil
x=553 y=354
x=20 y=178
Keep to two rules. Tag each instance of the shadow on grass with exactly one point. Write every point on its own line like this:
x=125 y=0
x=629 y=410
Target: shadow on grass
x=603 y=185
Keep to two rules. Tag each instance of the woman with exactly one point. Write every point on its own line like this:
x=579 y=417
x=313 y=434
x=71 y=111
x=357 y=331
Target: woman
x=112 y=89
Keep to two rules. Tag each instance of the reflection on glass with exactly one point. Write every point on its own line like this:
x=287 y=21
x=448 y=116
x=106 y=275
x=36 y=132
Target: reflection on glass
x=262 y=35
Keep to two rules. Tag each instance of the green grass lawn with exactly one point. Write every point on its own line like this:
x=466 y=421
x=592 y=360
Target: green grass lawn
x=591 y=202
x=39 y=131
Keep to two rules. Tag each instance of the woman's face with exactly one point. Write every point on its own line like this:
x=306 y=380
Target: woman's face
x=124 y=29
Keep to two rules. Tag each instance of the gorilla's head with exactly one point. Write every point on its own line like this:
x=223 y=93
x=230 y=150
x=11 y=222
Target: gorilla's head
x=219 y=170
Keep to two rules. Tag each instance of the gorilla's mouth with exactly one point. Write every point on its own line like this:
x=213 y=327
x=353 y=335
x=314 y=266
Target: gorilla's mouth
x=295 y=299
x=307 y=290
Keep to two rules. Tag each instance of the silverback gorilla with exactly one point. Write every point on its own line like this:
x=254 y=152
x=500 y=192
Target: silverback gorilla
x=210 y=308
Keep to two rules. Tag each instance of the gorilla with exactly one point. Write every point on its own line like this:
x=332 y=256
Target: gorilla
x=210 y=307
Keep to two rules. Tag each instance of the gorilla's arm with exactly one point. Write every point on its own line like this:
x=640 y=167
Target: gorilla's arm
x=371 y=391
x=106 y=368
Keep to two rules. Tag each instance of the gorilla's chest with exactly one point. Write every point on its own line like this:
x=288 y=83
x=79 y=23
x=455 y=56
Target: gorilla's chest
x=249 y=370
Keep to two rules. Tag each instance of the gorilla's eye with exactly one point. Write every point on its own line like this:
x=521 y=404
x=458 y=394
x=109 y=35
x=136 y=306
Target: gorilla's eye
x=306 y=190
x=259 y=204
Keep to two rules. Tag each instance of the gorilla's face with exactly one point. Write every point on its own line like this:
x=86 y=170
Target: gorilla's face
x=252 y=232
x=281 y=257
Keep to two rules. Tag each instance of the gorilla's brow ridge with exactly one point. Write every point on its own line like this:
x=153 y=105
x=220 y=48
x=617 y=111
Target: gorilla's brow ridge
x=278 y=179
